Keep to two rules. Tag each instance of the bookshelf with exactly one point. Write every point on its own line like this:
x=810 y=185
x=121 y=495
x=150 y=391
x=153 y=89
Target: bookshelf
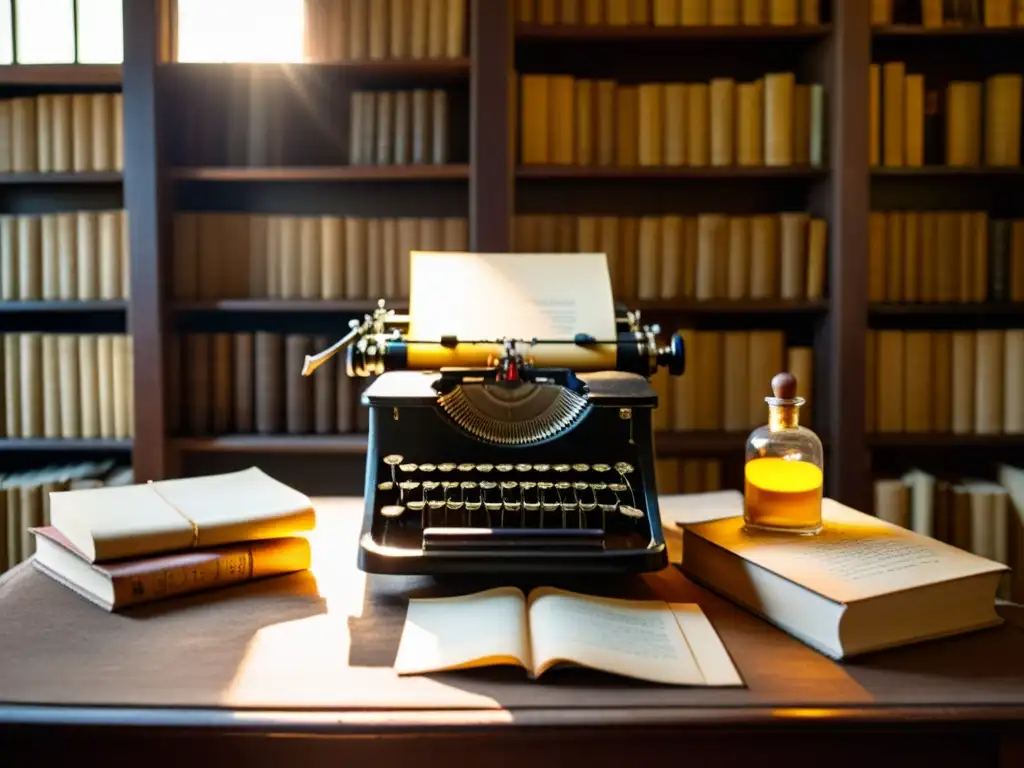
x=186 y=152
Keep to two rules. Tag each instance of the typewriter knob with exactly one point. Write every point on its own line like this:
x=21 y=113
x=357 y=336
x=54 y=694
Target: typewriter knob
x=673 y=356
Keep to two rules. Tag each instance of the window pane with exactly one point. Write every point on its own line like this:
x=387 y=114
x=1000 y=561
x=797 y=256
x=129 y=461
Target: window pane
x=240 y=30
x=46 y=31
x=99 y=32
x=6 y=34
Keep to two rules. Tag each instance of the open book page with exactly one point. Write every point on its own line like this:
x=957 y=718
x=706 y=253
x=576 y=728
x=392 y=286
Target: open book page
x=855 y=557
x=645 y=640
x=484 y=629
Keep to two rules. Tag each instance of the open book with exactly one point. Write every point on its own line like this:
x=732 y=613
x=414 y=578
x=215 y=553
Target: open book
x=669 y=643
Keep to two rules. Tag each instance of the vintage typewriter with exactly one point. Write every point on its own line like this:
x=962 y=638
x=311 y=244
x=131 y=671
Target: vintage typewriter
x=515 y=463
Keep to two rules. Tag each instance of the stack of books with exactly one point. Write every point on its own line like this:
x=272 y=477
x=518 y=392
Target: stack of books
x=133 y=544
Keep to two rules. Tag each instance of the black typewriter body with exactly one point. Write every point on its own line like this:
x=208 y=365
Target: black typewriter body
x=444 y=495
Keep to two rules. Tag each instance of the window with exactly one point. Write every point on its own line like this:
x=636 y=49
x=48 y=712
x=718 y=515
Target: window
x=241 y=30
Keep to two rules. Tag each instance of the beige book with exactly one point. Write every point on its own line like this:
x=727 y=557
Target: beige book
x=87 y=244
x=793 y=253
x=101 y=131
x=894 y=77
x=593 y=12
x=764 y=257
x=802 y=125
x=50 y=384
x=885 y=586
x=12 y=384
x=917 y=379
x=666 y=13
x=783 y=13
x=24 y=155
x=585 y=123
x=998 y=13
x=651 y=129
x=117 y=129
x=616 y=13
x=724 y=13
x=6 y=141
x=890 y=383
x=766 y=359
x=698 y=139
x=913 y=120
x=1013 y=386
x=105 y=371
x=309 y=257
x=30 y=274
x=289 y=257
x=989 y=380
x=570 y=11
x=963 y=124
x=81 y=132
x=627 y=99
x=672 y=237
x=399 y=18
x=666 y=643
x=30 y=365
x=50 y=248
x=44 y=135
x=377 y=34
x=694 y=13
x=171 y=515
x=70 y=405
x=419 y=20
x=534 y=119
x=800 y=362
x=874 y=115
x=931 y=14
x=648 y=252
x=1002 y=120
x=881 y=12
x=752 y=12
x=9 y=257
x=712 y=253
x=607 y=117
x=674 y=141
x=894 y=257
x=739 y=258
x=911 y=253
x=964 y=377
x=778 y=118
x=892 y=502
x=721 y=100
x=735 y=381
x=817 y=252
x=750 y=123
x=332 y=257
x=942 y=381
x=109 y=252
x=640 y=12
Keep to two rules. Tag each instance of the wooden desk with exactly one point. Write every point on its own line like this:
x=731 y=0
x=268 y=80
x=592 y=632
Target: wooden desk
x=297 y=671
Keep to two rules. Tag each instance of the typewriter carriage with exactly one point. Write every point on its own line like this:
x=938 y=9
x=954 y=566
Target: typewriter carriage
x=508 y=466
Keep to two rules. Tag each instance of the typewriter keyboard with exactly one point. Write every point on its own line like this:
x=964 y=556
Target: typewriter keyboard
x=597 y=497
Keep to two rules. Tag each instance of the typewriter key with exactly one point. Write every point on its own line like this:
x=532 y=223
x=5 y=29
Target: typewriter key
x=561 y=467
x=545 y=485
x=427 y=467
x=526 y=485
x=415 y=506
x=523 y=467
x=386 y=486
x=393 y=460
x=600 y=467
x=542 y=467
x=623 y=468
x=429 y=485
x=617 y=487
x=468 y=485
x=436 y=503
x=446 y=467
x=449 y=484
x=484 y=467
x=391 y=510
x=598 y=486
x=409 y=467
x=504 y=467
x=466 y=467
x=509 y=485
x=409 y=485
x=580 y=486
x=563 y=486
x=631 y=512
x=581 y=467
x=488 y=484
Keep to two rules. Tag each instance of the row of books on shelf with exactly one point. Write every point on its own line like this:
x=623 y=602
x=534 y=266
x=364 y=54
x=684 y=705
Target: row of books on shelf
x=251 y=383
x=376 y=30
x=935 y=14
x=771 y=121
x=962 y=124
x=980 y=516
x=964 y=382
x=669 y=13
x=399 y=128
x=79 y=255
x=68 y=386
x=235 y=255
x=727 y=380
x=62 y=132
x=687 y=475
x=944 y=256
x=704 y=257
x=25 y=500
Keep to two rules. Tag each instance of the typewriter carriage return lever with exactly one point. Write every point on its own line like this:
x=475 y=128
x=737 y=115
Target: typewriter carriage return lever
x=504 y=460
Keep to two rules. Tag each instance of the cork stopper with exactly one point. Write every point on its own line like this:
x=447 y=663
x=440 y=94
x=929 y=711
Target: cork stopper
x=784 y=386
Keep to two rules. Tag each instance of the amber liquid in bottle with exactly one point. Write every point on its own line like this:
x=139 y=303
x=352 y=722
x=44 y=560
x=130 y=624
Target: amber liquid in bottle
x=783 y=475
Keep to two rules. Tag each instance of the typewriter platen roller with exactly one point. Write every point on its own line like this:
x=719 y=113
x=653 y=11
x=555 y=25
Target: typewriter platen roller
x=511 y=463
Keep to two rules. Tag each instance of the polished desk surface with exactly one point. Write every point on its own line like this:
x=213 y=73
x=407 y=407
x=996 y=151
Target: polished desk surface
x=311 y=653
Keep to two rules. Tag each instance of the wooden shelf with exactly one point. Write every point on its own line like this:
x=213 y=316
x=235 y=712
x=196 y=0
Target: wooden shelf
x=61 y=74
x=55 y=445
x=943 y=441
x=604 y=32
x=350 y=306
x=957 y=171
x=81 y=177
x=945 y=310
x=916 y=30
x=454 y=171
x=62 y=307
x=395 y=70
x=669 y=172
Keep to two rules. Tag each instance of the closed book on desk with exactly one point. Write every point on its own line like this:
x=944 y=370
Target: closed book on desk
x=172 y=515
x=114 y=586
x=860 y=585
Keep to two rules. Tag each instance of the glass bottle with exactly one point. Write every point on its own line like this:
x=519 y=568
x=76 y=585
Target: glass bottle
x=783 y=473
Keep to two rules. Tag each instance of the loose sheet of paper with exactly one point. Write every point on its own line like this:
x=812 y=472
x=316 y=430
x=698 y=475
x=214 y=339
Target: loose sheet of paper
x=509 y=295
